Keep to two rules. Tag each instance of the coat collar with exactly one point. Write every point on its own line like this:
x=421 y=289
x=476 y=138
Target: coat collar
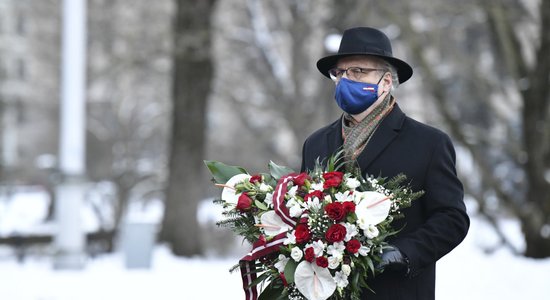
x=382 y=137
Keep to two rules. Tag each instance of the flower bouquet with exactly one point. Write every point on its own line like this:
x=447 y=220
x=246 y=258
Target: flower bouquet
x=315 y=235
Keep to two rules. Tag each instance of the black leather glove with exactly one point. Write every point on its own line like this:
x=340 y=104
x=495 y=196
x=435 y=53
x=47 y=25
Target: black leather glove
x=393 y=260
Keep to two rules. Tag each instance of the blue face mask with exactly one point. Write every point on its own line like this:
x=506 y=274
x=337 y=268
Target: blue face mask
x=355 y=97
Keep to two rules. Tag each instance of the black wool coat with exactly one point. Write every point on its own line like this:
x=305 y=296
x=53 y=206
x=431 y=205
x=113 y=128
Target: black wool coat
x=435 y=223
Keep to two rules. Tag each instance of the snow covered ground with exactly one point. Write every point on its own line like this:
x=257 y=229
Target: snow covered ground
x=466 y=273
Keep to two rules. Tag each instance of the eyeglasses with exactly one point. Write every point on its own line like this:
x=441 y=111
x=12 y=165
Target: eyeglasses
x=352 y=73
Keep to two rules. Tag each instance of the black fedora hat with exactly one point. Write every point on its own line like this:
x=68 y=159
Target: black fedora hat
x=365 y=41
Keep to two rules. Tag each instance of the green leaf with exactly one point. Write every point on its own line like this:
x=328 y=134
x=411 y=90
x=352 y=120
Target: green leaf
x=271 y=292
x=355 y=280
x=260 y=205
x=259 y=279
x=289 y=271
x=222 y=172
x=279 y=171
x=370 y=264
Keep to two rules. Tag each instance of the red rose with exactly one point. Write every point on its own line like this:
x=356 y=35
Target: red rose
x=255 y=179
x=335 y=233
x=316 y=193
x=349 y=206
x=302 y=233
x=332 y=179
x=335 y=211
x=322 y=262
x=300 y=179
x=310 y=254
x=353 y=246
x=244 y=203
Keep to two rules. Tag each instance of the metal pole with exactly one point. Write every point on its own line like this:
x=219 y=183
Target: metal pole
x=70 y=237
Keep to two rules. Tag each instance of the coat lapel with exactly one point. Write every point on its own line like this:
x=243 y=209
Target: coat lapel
x=382 y=137
x=334 y=138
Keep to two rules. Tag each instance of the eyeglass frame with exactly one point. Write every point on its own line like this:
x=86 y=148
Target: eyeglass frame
x=363 y=71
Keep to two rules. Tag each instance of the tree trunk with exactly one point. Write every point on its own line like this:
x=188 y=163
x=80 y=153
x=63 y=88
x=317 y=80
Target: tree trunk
x=536 y=106
x=192 y=73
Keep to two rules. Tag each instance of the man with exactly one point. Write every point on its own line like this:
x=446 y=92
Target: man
x=384 y=141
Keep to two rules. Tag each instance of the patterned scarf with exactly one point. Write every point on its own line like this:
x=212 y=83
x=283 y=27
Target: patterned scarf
x=357 y=135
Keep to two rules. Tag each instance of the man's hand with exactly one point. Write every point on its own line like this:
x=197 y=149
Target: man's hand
x=393 y=260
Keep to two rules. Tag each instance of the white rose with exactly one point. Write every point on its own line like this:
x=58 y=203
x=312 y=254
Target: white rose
x=333 y=262
x=296 y=254
x=346 y=269
x=371 y=232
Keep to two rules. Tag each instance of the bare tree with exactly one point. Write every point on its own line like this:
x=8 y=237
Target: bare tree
x=192 y=74
x=532 y=80
x=128 y=96
x=267 y=83
x=481 y=62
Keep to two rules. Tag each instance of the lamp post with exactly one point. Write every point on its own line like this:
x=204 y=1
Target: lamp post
x=70 y=237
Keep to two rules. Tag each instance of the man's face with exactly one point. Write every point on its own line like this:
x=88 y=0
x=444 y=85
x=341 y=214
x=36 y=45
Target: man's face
x=368 y=64
x=366 y=69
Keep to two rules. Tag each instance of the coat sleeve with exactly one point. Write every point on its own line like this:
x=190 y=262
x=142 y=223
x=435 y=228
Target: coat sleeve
x=446 y=223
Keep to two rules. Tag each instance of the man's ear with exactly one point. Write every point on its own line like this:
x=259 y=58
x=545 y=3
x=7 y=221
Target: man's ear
x=388 y=81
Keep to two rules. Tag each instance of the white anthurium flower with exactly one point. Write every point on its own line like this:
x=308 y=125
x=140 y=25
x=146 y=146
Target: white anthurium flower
x=351 y=231
x=228 y=193
x=334 y=262
x=341 y=279
x=352 y=183
x=273 y=224
x=372 y=208
x=281 y=264
x=296 y=254
x=314 y=282
x=336 y=249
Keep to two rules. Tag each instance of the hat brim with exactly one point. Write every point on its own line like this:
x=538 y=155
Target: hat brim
x=404 y=70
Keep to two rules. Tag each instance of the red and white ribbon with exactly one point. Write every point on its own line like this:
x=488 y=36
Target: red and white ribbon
x=261 y=248
x=279 y=200
x=248 y=272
